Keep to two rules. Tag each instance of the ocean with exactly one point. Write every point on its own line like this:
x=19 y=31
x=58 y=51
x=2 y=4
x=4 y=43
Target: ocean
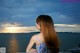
x=19 y=41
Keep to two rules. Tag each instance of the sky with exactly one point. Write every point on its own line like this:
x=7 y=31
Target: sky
x=23 y=13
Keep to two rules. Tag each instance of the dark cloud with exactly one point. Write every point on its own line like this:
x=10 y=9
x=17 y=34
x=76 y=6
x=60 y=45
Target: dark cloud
x=26 y=11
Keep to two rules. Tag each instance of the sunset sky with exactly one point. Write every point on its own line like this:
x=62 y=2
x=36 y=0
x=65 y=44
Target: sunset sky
x=20 y=14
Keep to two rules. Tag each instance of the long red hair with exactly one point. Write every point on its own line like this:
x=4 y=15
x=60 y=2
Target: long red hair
x=50 y=36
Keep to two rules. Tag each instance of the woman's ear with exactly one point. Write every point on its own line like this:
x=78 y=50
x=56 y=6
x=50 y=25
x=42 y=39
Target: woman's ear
x=37 y=26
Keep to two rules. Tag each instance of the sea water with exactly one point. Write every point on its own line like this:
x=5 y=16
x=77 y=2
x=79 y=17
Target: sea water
x=19 y=41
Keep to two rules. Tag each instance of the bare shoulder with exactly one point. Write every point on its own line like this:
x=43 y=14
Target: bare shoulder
x=34 y=36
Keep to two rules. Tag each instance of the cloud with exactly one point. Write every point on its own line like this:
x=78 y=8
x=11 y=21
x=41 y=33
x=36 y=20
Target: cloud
x=10 y=24
x=18 y=28
x=28 y=10
x=19 y=16
x=61 y=18
x=67 y=27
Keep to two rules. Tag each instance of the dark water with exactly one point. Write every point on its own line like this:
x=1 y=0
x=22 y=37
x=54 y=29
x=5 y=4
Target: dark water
x=19 y=41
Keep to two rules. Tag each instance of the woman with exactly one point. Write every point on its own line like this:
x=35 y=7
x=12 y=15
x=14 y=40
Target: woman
x=47 y=40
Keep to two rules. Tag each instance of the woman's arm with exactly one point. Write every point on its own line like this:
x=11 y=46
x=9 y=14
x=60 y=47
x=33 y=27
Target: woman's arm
x=31 y=43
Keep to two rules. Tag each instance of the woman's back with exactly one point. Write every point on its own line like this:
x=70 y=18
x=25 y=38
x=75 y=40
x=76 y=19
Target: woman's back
x=40 y=44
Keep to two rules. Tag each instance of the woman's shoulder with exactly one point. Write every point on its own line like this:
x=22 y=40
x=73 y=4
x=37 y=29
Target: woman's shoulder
x=34 y=36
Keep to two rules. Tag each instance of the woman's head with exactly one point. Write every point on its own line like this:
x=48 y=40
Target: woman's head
x=46 y=26
x=45 y=20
